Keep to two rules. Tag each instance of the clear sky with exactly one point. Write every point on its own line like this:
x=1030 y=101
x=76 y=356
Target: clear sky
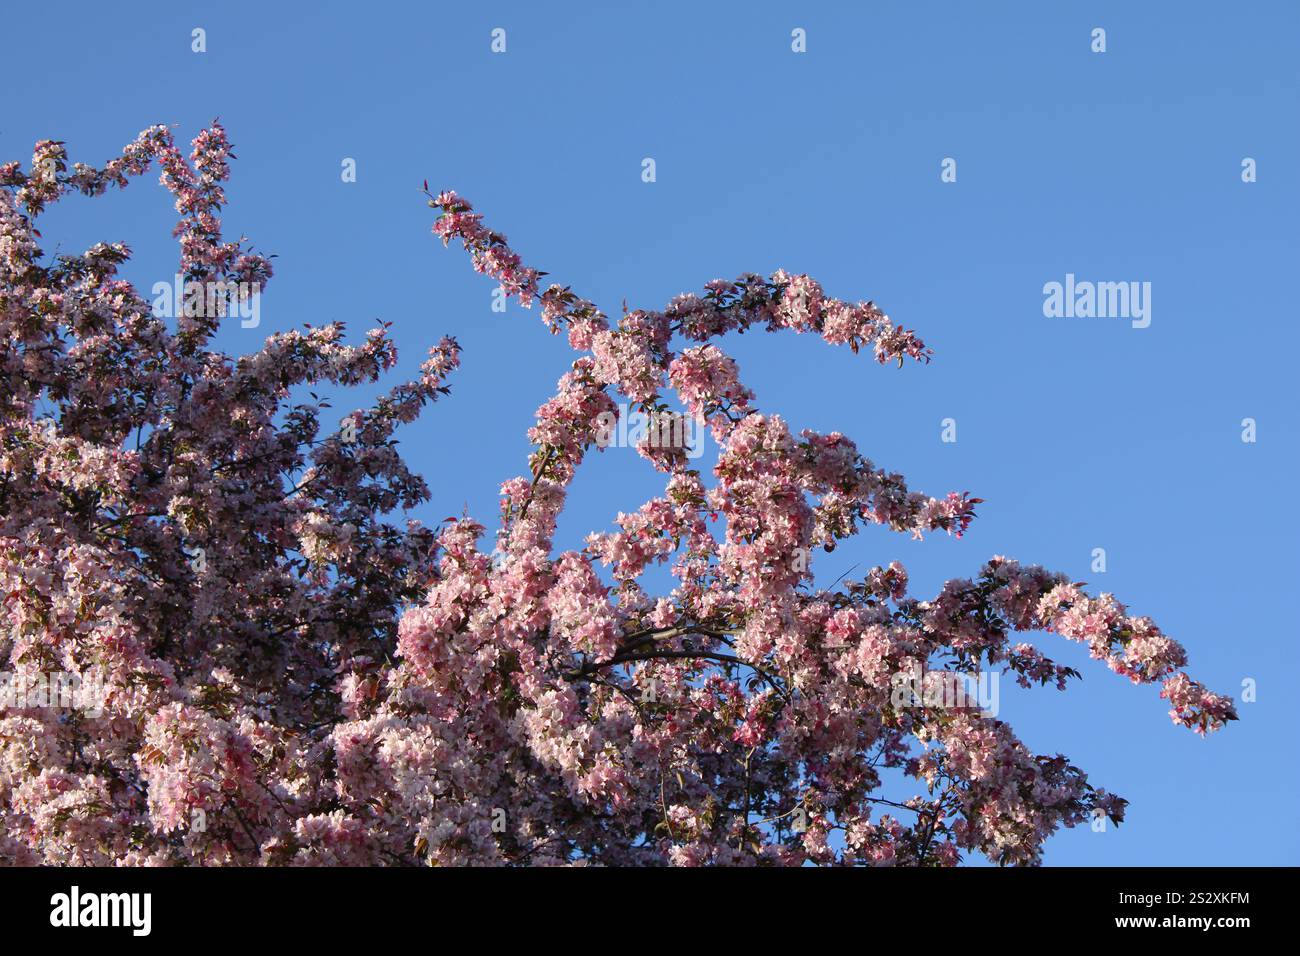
x=1080 y=433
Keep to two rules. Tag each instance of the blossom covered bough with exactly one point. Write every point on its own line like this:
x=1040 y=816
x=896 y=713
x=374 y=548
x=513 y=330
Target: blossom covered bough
x=292 y=675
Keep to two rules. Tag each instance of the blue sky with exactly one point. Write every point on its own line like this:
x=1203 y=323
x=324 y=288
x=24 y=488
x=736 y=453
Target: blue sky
x=1079 y=432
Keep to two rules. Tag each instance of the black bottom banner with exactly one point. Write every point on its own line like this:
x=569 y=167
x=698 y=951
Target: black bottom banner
x=149 y=906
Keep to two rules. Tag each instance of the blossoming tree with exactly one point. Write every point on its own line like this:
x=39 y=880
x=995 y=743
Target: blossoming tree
x=290 y=674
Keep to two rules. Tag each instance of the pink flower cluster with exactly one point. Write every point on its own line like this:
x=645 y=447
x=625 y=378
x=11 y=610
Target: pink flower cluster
x=293 y=676
x=179 y=522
